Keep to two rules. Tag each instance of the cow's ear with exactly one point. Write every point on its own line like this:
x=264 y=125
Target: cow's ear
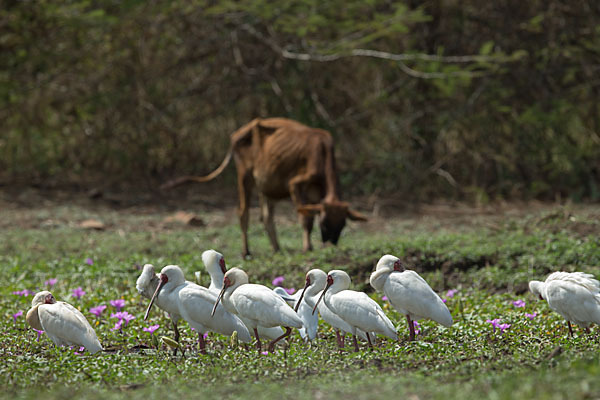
x=310 y=210
x=356 y=216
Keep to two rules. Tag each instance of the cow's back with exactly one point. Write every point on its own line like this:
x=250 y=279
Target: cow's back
x=288 y=149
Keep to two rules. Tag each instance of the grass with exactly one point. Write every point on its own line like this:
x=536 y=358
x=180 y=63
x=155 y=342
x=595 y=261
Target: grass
x=488 y=258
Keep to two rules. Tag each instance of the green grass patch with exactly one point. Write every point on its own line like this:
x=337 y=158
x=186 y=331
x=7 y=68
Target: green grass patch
x=489 y=264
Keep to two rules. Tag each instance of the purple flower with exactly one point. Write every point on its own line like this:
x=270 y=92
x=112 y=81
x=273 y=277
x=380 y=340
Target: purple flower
x=519 y=303
x=118 y=325
x=98 y=310
x=384 y=298
x=17 y=315
x=24 y=292
x=278 y=281
x=123 y=316
x=496 y=324
x=39 y=333
x=205 y=336
x=51 y=282
x=416 y=325
x=289 y=290
x=450 y=293
x=151 y=329
x=80 y=351
x=78 y=293
x=444 y=300
x=118 y=304
x=128 y=318
x=531 y=316
x=264 y=353
x=89 y=261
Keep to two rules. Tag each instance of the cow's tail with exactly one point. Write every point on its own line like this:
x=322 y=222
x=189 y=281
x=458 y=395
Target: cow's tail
x=199 y=179
x=236 y=137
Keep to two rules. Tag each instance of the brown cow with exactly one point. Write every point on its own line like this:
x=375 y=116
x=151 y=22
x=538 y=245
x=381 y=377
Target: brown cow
x=284 y=158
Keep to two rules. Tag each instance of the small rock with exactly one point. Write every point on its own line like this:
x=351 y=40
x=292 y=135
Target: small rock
x=92 y=224
x=185 y=218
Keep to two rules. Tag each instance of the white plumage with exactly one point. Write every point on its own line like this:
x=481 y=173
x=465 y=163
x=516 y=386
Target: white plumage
x=184 y=299
x=355 y=308
x=256 y=304
x=316 y=280
x=214 y=262
x=408 y=293
x=64 y=324
x=310 y=321
x=573 y=295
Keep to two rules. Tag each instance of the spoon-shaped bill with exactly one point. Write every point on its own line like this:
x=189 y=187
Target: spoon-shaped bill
x=217 y=302
x=154 y=296
x=329 y=283
x=302 y=295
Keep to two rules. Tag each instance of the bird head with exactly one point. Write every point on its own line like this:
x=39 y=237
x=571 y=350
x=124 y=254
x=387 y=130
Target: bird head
x=214 y=261
x=147 y=281
x=537 y=288
x=43 y=297
x=164 y=279
x=307 y=283
x=399 y=266
x=233 y=278
x=335 y=277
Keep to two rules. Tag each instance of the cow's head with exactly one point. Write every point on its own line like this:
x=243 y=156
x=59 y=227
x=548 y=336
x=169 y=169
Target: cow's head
x=332 y=217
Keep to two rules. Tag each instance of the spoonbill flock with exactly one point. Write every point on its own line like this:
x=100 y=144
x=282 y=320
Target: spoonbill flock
x=232 y=304
x=186 y=300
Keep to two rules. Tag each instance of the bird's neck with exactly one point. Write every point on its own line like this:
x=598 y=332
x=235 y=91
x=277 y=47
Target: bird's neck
x=33 y=318
x=311 y=298
x=378 y=279
x=216 y=281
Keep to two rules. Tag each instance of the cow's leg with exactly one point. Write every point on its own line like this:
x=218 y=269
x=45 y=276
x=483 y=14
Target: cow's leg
x=299 y=185
x=245 y=183
x=307 y=225
x=268 y=214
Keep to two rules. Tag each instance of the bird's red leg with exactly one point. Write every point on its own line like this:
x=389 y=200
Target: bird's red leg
x=339 y=340
x=176 y=335
x=411 y=328
x=202 y=343
x=258 y=344
x=272 y=344
x=369 y=340
x=570 y=328
x=355 y=343
x=176 y=331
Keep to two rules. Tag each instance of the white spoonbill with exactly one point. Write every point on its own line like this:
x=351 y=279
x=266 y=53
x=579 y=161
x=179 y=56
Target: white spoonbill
x=64 y=324
x=409 y=293
x=310 y=321
x=257 y=305
x=356 y=308
x=216 y=267
x=316 y=280
x=573 y=295
x=193 y=303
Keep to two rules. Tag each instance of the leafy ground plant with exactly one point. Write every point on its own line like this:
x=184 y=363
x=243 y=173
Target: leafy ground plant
x=504 y=343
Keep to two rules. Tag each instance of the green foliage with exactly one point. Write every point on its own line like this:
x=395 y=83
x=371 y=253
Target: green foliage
x=489 y=261
x=142 y=91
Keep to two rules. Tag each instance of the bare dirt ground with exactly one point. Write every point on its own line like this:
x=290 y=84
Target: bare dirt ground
x=30 y=208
